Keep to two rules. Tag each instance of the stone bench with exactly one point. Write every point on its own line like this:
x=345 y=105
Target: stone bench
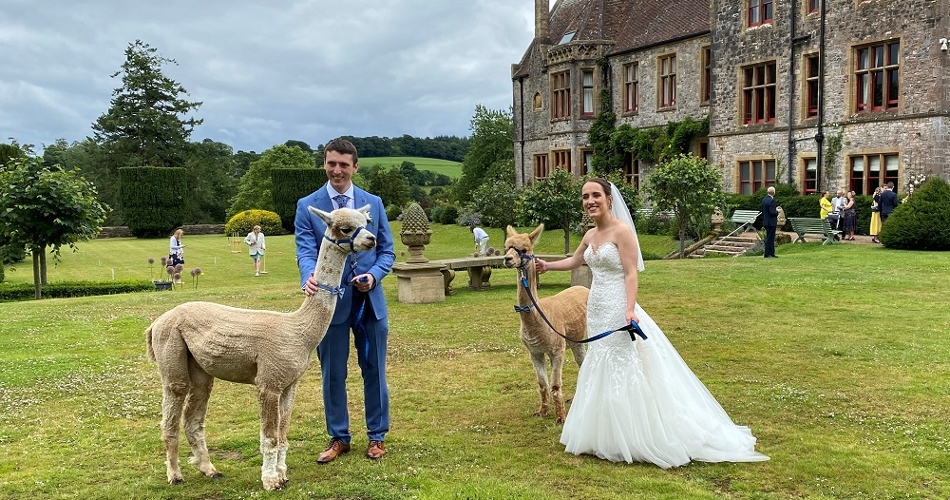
x=479 y=271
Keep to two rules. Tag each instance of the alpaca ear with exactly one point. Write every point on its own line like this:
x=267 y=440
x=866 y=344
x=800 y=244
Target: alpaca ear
x=327 y=218
x=365 y=211
x=510 y=231
x=536 y=234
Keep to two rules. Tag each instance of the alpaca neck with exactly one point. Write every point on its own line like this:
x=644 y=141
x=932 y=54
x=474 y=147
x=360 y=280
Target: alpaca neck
x=317 y=310
x=524 y=298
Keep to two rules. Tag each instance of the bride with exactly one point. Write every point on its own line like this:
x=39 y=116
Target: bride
x=636 y=401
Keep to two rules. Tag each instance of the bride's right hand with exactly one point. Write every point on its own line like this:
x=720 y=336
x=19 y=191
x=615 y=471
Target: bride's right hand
x=540 y=266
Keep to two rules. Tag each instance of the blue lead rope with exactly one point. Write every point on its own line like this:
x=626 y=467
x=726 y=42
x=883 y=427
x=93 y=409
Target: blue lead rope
x=633 y=327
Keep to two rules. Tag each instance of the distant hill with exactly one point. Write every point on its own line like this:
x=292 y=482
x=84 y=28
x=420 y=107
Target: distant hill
x=452 y=169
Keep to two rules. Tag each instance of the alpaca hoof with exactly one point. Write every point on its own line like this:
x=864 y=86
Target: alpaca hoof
x=216 y=476
x=176 y=480
x=540 y=413
x=273 y=483
x=559 y=420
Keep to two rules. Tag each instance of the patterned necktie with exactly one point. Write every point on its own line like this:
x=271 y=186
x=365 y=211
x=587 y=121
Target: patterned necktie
x=341 y=200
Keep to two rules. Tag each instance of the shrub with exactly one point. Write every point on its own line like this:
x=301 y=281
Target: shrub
x=444 y=214
x=2 y=276
x=244 y=222
x=656 y=223
x=153 y=199
x=923 y=222
x=64 y=289
x=393 y=212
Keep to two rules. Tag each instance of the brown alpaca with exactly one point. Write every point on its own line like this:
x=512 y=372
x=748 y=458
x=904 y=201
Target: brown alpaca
x=197 y=342
x=567 y=312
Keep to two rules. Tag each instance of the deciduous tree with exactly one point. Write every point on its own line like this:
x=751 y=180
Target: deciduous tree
x=254 y=190
x=555 y=201
x=44 y=207
x=689 y=187
x=491 y=153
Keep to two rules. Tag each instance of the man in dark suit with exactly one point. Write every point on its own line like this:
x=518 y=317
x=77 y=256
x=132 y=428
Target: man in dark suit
x=769 y=221
x=362 y=306
x=888 y=201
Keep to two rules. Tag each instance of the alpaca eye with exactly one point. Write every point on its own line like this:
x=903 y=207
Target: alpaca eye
x=346 y=230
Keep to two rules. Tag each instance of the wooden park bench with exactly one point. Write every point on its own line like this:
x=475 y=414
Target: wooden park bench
x=744 y=220
x=813 y=225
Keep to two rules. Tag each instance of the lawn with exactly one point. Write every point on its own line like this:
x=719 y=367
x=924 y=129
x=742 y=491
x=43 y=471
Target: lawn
x=452 y=169
x=835 y=356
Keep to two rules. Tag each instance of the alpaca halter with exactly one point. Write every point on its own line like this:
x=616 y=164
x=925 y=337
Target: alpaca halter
x=344 y=241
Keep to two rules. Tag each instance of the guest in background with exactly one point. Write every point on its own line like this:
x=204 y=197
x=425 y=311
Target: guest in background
x=825 y=204
x=876 y=215
x=849 y=217
x=769 y=222
x=888 y=202
x=176 y=250
x=256 y=247
x=481 y=240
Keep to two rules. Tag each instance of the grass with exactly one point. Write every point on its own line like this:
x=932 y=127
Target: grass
x=835 y=356
x=450 y=168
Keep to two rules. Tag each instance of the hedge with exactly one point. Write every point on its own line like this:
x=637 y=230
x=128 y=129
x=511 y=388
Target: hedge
x=26 y=291
x=244 y=222
x=289 y=186
x=153 y=199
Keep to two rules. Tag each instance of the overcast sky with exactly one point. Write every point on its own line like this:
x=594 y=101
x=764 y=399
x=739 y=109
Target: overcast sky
x=266 y=71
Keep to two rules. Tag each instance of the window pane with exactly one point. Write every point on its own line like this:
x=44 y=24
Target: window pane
x=891 y=164
x=874 y=164
x=769 y=172
x=863 y=59
x=857 y=164
x=811 y=164
x=895 y=53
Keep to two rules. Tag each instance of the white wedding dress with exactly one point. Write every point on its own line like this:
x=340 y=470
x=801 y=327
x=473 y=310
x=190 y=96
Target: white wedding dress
x=637 y=401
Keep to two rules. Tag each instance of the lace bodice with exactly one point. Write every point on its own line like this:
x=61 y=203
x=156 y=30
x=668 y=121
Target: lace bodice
x=607 y=302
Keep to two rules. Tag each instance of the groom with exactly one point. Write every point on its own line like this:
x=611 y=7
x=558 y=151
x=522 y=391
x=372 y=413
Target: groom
x=362 y=306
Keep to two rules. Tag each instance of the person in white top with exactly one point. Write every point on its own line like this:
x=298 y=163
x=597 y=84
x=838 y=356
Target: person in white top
x=256 y=247
x=481 y=240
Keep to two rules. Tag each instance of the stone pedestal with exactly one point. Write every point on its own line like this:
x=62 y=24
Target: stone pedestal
x=479 y=278
x=581 y=276
x=419 y=283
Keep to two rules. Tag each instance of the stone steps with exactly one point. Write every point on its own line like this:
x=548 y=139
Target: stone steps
x=732 y=246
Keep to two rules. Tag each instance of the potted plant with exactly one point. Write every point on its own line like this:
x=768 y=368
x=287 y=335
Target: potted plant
x=159 y=284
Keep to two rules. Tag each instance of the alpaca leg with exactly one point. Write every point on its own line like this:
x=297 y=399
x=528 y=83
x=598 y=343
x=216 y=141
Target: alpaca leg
x=196 y=407
x=286 y=407
x=538 y=361
x=557 y=363
x=580 y=351
x=270 y=428
x=173 y=399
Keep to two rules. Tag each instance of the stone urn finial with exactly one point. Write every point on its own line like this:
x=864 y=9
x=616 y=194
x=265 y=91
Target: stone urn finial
x=415 y=233
x=717 y=218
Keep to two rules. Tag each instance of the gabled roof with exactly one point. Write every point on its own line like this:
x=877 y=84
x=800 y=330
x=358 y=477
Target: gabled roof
x=629 y=24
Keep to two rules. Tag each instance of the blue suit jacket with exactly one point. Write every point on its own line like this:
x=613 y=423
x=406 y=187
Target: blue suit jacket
x=378 y=261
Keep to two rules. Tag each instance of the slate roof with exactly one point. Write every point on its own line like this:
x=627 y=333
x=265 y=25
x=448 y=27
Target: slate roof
x=629 y=24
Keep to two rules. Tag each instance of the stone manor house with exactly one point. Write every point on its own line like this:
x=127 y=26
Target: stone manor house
x=859 y=86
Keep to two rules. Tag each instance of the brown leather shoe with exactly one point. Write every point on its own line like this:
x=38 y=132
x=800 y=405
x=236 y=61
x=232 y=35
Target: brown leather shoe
x=376 y=450
x=334 y=449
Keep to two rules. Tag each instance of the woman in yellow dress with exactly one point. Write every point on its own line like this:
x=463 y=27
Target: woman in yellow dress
x=875 y=215
x=825 y=203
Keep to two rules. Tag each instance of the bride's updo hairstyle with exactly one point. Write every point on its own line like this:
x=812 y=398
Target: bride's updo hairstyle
x=605 y=186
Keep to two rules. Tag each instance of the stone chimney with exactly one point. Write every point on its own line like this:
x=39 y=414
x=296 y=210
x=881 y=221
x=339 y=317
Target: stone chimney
x=542 y=16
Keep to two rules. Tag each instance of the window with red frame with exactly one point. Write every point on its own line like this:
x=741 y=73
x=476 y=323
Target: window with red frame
x=755 y=175
x=760 y=12
x=562 y=160
x=541 y=169
x=707 y=74
x=812 y=6
x=667 y=81
x=877 y=77
x=811 y=85
x=630 y=88
x=867 y=172
x=631 y=170
x=810 y=177
x=587 y=86
x=561 y=95
x=758 y=94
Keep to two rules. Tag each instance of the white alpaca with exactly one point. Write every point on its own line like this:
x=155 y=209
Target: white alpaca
x=196 y=342
x=567 y=311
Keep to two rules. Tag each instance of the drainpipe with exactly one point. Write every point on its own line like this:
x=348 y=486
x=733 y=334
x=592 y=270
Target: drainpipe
x=791 y=88
x=521 y=125
x=819 y=133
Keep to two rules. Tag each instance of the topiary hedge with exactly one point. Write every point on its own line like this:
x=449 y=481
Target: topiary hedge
x=152 y=199
x=25 y=291
x=923 y=221
x=244 y=222
x=290 y=185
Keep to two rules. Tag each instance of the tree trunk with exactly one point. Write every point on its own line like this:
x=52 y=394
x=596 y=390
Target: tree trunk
x=566 y=224
x=682 y=241
x=43 y=267
x=37 y=284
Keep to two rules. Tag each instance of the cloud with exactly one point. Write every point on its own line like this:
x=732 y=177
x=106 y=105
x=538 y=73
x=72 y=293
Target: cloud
x=266 y=72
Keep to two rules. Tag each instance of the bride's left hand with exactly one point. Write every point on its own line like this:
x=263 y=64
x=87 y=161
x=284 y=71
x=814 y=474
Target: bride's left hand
x=632 y=316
